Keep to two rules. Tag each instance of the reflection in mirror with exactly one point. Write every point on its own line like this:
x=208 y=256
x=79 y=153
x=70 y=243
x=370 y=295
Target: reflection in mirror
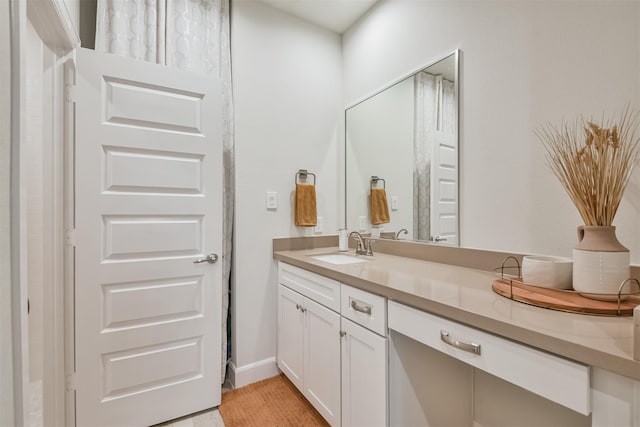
x=406 y=135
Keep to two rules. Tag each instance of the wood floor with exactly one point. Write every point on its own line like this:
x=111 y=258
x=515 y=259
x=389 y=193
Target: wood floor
x=207 y=418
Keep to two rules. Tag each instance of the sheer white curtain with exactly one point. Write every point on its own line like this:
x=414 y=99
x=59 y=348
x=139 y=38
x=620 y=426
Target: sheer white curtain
x=188 y=34
x=447 y=105
x=424 y=125
x=434 y=119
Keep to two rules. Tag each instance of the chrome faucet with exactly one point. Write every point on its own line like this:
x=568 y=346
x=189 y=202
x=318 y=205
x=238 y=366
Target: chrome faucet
x=363 y=245
x=400 y=231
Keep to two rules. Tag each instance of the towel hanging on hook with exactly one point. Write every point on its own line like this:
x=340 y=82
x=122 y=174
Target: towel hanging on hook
x=374 y=182
x=303 y=174
x=306 y=214
x=378 y=205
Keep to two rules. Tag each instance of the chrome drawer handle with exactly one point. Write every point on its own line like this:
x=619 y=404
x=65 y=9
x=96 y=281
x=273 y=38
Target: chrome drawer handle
x=362 y=309
x=469 y=347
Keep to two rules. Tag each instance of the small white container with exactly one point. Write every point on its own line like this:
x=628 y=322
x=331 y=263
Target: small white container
x=547 y=271
x=343 y=240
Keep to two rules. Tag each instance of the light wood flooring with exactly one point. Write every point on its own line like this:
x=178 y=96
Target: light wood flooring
x=207 y=418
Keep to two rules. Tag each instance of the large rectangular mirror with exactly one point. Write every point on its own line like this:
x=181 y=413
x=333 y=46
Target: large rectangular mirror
x=404 y=139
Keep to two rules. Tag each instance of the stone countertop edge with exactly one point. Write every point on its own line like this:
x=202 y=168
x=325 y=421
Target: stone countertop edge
x=622 y=364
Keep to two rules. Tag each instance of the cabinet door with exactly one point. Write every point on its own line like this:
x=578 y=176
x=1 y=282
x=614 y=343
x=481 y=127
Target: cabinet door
x=322 y=360
x=290 y=334
x=364 y=377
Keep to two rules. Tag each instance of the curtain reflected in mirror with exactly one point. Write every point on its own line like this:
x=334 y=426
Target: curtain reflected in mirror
x=407 y=134
x=434 y=168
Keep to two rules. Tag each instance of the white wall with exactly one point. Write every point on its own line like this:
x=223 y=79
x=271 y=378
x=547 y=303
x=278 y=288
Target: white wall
x=523 y=63
x=288 y=113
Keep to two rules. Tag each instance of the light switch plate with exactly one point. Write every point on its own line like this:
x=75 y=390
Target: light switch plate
x=272 y=200
x=319 y=225
x=394 y=203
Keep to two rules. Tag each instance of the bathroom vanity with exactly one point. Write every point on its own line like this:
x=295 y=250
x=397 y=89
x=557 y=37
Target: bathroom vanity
x=400 y=341
x=332 y=345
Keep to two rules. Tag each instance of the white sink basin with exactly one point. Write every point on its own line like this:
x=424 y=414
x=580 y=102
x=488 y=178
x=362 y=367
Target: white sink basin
x=339 y=258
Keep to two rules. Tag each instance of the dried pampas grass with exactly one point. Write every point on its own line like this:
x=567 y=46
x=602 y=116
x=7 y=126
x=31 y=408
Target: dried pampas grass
x=593 y=161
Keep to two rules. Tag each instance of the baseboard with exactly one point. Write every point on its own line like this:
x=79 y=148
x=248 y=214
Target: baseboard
x=253 y=372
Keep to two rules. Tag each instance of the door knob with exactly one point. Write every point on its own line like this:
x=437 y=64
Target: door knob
x=211 y=259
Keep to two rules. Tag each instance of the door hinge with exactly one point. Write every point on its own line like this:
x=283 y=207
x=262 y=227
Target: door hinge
x=71 y=382
x=70 y=93
x=70 y=237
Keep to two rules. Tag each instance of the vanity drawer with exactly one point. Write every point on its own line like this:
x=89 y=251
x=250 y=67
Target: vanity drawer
x=320 y=289
x=364 y=308
x=555 y=378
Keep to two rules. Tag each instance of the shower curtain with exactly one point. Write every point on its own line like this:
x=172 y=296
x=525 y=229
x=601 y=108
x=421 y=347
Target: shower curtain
x=434 y=120
x=192 y=35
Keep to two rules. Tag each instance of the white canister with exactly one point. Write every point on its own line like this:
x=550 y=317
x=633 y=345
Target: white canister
x=343 y=240
x=547 y=271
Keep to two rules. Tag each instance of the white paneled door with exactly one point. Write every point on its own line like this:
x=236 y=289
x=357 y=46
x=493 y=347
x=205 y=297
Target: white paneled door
x=148 y=204
x=444 y=189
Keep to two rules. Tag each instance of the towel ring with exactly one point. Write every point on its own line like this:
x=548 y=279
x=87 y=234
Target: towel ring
x=374 y=182
x=302 y=174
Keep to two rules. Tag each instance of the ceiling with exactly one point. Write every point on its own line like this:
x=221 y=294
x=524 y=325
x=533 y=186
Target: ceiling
x=334 y=15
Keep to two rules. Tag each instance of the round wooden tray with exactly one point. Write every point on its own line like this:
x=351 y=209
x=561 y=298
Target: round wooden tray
x=562 y=300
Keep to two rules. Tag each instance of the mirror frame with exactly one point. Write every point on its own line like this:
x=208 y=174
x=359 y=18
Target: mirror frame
x=456 y=53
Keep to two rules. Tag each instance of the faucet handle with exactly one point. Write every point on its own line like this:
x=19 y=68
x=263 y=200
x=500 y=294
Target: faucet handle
x=369 y=244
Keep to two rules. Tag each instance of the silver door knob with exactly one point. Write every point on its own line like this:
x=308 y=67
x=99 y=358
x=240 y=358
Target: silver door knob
x=211 y=259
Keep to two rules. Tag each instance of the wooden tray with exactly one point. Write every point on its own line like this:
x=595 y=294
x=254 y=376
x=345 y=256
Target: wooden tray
x=562 y=300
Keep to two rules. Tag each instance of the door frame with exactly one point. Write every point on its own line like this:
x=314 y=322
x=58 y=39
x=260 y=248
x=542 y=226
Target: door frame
x=55 y=28
x=15 y=338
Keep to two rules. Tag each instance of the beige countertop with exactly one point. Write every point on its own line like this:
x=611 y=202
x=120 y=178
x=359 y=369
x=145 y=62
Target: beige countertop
x=465 y=295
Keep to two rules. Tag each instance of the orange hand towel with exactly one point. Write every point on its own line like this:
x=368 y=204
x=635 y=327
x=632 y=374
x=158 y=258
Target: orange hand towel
x=305 y=213
x=379 y=206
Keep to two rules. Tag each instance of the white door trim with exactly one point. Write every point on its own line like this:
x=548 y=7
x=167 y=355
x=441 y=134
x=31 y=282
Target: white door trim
x=53 y=242
x=19 y=322
x=53 y=23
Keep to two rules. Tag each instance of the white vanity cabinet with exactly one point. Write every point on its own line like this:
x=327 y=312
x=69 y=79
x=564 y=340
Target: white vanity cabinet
x=309 y=337
x=339 y=363
x=291 y=335
x=364 y=358
x=400 y=365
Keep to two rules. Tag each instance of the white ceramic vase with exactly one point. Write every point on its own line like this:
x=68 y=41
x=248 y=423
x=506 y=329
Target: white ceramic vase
x=600 y=262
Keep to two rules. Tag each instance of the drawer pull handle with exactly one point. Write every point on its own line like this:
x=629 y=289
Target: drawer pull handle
x=362 y=309
x=469 y=347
